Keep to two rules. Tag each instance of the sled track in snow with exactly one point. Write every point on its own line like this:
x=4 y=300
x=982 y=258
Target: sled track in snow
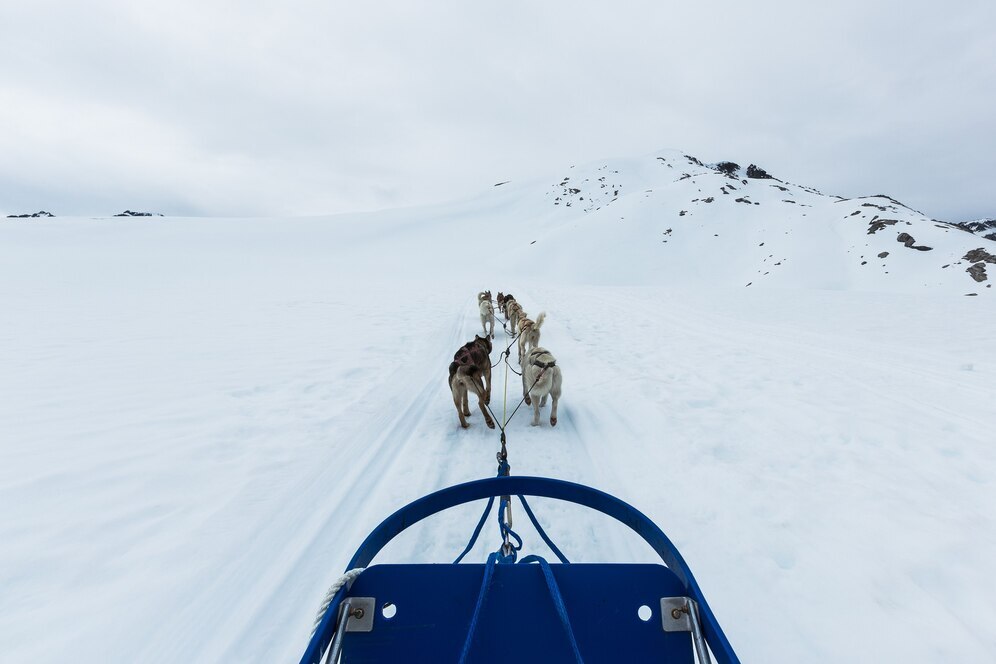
x=323 y=521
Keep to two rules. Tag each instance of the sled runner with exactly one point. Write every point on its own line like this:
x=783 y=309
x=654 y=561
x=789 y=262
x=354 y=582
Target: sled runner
x=525 y=610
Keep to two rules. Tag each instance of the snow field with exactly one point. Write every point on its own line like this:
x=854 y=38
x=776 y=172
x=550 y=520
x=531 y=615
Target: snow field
x=201 y=419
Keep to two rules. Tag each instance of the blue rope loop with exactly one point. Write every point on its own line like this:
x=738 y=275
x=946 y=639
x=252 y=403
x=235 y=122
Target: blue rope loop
x=477 y=531
x=558 y=603
x=542 y=533
x=551 y=583
x=489 y=569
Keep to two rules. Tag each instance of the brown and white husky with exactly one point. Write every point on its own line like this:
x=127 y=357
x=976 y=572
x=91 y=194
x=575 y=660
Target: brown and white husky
x=470 y=367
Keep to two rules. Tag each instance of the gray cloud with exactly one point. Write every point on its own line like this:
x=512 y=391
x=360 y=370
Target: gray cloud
x=305 y=107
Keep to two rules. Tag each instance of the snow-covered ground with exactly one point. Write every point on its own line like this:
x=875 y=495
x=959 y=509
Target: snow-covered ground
x=201 y=418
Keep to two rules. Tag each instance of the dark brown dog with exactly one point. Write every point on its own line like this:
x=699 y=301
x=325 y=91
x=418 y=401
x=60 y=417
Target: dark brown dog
x=470 y=367
x=503 y=304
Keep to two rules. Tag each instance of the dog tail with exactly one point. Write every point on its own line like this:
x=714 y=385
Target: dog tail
x=540 y=319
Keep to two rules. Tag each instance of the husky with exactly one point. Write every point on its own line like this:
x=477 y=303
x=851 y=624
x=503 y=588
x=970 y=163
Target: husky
x=470 y=367
x=484 y=296
x=529 y=334
x=541 y=377
x=500 y=299
x=503 y=304
x=515 y=314
x=487 y=317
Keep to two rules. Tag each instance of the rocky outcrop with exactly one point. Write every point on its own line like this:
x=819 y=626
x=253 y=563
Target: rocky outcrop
x=129 y=213
x=40 y=213
x=978 y=272
x=758 y=173
x=879 y=224
x=728 y=168
x=908 y=241
x=979 y=255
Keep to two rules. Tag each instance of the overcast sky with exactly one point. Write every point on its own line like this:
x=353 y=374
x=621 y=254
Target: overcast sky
x=266 y=107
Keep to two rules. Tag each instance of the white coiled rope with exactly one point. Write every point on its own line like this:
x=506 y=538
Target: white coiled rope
x=344 y=580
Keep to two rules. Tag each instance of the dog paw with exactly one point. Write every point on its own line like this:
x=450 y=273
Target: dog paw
x=529 y=402
x=553 y=421
x=464 y=425
x=467 y=414
x=491 y=425
x=534 y=424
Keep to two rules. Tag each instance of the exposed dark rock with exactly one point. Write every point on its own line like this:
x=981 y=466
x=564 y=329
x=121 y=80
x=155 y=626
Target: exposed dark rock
x=743 y=200
x=978 y=272
x=883 y=254
x=991 y=236
x=693 y=160
x=708 y=200
x=129 y=213
x=979 y=255
x=878 y=225
x=40 y=213
x=728 y=168
x=682 y=213
x=498 y=184
x=757 y=173
x=879 y=207
x=908 y=241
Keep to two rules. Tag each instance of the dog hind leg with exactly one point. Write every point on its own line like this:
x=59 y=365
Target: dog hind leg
x=555 y=396
x=456 y=389
x=480 y=402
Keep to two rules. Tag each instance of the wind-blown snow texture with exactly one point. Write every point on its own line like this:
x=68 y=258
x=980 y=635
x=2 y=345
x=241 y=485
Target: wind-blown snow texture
x=201 y=418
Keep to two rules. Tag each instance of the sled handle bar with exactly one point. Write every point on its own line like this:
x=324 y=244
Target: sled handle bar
x=542 y=487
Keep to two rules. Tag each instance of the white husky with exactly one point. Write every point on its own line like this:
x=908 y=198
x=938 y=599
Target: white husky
x=487 y=317
x=541 y=377
x=529 y=334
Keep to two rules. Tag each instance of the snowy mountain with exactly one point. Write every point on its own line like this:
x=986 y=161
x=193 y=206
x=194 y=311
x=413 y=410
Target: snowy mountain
x=670 y=219
x=200 y=419
x=984 y=227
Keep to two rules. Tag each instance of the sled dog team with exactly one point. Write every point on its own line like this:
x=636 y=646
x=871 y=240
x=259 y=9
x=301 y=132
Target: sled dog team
x=470 y=370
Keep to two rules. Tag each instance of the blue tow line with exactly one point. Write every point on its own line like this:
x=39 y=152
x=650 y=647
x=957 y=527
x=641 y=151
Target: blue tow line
x=508 y=555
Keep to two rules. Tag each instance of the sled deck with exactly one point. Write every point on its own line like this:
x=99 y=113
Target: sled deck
x=525 y=611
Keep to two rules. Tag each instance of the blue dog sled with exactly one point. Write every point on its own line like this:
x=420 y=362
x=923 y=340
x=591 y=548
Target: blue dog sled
x=500 y=611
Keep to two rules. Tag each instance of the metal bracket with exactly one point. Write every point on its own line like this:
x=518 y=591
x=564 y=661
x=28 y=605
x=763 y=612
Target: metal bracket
x=675 y=614
x=681 y=614
x=361 y=614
